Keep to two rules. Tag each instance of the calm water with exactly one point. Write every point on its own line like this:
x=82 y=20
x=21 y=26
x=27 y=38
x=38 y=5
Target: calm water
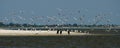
x=104 y=41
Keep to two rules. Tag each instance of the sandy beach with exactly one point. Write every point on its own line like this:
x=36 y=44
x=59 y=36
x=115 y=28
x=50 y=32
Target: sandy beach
x=35 y=33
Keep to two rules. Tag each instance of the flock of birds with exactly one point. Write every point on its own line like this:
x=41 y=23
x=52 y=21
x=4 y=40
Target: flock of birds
x=60 y=18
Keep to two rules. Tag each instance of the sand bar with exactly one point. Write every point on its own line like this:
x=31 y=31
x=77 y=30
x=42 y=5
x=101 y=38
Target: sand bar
x=35 y=33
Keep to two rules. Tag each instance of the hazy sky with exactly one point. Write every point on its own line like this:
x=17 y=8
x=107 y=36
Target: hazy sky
x=60 y=11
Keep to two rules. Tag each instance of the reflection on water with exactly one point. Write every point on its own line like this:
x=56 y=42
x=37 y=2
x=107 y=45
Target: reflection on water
x=13 y=47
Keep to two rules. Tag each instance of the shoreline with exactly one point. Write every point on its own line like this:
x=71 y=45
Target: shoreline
x=37 y=33
x=45 y=33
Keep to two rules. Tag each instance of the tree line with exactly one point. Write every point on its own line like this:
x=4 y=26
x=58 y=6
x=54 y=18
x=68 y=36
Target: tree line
x=54 y=25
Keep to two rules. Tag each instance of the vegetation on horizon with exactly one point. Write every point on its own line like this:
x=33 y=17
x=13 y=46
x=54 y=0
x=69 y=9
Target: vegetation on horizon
x=54 y=25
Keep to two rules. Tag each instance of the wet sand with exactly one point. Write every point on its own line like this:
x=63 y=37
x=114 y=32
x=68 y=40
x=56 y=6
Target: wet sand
x=84 y=41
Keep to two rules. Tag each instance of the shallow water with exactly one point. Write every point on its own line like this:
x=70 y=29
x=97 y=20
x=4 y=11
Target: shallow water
x=104 y=41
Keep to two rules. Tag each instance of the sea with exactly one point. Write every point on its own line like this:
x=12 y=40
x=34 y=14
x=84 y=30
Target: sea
x=67 y=41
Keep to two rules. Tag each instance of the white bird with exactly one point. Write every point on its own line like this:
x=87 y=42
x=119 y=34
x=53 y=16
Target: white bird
x=21 y=17
x=59 y=9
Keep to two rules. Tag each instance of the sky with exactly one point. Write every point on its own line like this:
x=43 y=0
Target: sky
x=60 y=11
